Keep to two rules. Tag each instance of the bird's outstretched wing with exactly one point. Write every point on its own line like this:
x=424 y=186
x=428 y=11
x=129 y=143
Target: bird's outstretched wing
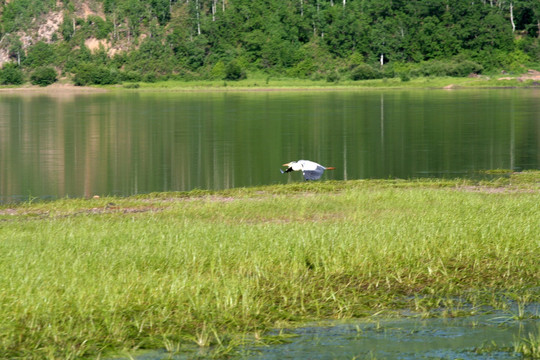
x=313 y=174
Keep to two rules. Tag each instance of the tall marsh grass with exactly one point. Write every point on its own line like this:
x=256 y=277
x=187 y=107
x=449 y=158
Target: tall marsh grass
x=80 y=277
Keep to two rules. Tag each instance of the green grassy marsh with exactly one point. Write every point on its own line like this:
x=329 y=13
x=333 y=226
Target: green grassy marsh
x=89 y=277
x=262 y=81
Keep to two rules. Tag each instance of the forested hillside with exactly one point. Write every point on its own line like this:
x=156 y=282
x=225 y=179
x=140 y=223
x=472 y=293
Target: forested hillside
x=110 y=41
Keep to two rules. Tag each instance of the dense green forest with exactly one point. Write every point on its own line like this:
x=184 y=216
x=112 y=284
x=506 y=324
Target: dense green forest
x=146 y=40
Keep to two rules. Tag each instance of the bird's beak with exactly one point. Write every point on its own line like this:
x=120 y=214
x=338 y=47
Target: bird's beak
x=287 y=164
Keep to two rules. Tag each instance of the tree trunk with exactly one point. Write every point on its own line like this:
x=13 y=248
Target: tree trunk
x=115 y=28
x=301 y=8
x=512 y=17
x=198 y=17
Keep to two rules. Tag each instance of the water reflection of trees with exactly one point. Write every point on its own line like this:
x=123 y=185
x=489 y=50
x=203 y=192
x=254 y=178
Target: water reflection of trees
x=447 y=134
x=128 y=144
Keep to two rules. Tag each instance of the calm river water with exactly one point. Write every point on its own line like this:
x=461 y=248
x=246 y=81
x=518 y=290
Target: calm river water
x=129 y=143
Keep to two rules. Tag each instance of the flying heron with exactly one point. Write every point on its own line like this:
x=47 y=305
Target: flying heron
x=310 y=169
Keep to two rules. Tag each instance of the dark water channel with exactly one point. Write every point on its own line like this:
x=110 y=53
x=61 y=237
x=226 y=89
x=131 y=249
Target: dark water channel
x=490 y=335
x=130 y=143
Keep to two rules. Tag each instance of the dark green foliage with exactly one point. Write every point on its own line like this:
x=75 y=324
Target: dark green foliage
x=66 y=28
x=333 y=76
x=365 y=72
x=40 y=54
x=459 y=68
x=130 y=76
x=160 y=9
x=404 y=77
x=11 y=74
x=78 y=56
x=303 y=69
x=150 y=77
x=436 y=68
x=530 y=47
x=465 y=68
x=305 y=39
x=191 y=53
x=100 y=27
x=109 y=5
x=233 y=71
x=90 y=74
x=43 y=76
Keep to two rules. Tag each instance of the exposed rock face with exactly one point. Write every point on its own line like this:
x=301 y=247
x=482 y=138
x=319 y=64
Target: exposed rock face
x=44 y=27
x=52 y=23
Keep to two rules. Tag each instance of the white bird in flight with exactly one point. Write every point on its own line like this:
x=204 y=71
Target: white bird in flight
x=310 y=169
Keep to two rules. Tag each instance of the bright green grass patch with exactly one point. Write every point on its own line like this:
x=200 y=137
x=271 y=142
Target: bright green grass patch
x=80 y=277
x=265 y=82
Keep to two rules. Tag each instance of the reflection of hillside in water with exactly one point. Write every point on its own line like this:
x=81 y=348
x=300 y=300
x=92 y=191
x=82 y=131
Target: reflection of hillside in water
x=122 y=144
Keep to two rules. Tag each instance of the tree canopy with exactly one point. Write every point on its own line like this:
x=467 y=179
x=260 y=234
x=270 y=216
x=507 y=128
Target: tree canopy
x=299 y=38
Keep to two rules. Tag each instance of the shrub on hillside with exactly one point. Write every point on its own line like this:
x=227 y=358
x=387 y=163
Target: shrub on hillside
x=234 y=71
x=150 y=77
x=404 y=77
x=90 y=74
x=465 y=68
x=131 y=75
x=43 y=76
x=101 y=27
x=66 y=28
x=365 y=72
x=303 y=69
x=11 y=74
x=458 y=67
x=332 y=76
x=40 y=54
x=435 y=68
x=218 y=70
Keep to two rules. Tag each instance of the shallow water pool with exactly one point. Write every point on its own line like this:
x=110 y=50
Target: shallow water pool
x=488 y=336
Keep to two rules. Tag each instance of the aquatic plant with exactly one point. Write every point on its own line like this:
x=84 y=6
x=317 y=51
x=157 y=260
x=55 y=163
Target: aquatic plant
x=529 y=346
